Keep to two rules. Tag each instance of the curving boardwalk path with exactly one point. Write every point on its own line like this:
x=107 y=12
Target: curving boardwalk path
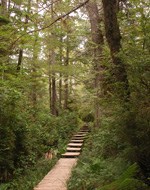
x=57 y=178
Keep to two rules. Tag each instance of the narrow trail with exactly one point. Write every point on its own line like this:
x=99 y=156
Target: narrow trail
x=58 y=176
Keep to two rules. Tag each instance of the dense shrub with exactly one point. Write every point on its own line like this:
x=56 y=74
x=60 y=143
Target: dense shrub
x=30 y=177
x=105 y=160
x=25 y=137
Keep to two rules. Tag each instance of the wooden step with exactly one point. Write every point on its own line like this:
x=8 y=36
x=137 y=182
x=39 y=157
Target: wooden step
x=73 y=149
x=78 y=138
x=82 y=133
x=70 y=154
x=86 y=132
x=79 y=135
x=76 y=141
x=75 y=144
x=82 y=130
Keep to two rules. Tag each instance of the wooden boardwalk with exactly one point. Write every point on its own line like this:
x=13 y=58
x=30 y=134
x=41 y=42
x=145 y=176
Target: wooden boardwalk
x=57 y=178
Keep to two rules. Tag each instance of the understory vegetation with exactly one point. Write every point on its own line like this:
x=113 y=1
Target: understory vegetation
x=108 y=161
x=25 y=179
x=25 y=140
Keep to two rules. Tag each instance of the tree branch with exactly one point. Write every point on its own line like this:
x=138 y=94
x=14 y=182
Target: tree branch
x=59 y=18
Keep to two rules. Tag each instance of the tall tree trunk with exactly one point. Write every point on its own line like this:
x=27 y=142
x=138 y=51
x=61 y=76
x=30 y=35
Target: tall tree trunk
x=4 y=8
x=20 y=57
x=34 y=63
x=53 y=88
x=53 y=83
x=53 y=99
x=49 y=83
x=66 y=93
x=113 y=36
x=97 y=41
x=4 y=51
x=34 y=73
x=60 y=75
x=60 y=90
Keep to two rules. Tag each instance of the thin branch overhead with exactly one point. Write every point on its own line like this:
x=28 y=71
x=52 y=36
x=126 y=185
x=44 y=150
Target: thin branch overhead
x=57 y=19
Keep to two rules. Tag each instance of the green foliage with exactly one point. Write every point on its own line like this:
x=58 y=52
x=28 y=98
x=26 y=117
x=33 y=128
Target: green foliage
x=18 y=2
x=107 y=159
x=28 y=178
x=88 y=118
x=103 y=166
x=132 y=184
x=3 y=20
x=127 y=181
x=101 y=160
x=137 y=63
x=127 y=184
x=28 y=130
x=24 y=136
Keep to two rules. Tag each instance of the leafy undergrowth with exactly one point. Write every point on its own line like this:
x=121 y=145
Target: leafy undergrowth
x=103 y=165
x=54 y=135
x=29 y=178
x=127 y=181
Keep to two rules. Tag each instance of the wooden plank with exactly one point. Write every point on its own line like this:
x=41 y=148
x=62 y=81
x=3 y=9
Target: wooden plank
x=78 y=138
x=57 y=178
x=75 y=144
x=79 y=135
x=82 y=133
x=70 y=154
x=73 y=149
x=76 y=141
x=84 y=130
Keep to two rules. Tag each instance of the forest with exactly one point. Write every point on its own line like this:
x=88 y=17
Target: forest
x=69 y=63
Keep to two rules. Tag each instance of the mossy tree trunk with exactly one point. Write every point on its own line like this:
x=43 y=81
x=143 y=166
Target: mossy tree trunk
x=113 y=37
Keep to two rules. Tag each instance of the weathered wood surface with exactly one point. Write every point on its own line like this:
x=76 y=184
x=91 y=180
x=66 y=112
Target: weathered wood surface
x=57 y=178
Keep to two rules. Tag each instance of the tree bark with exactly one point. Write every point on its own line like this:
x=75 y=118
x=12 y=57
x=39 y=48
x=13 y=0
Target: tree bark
x=34 y=61
x=34 y=73
x=66 y=93
x=53 y=83
x=97 y=41
x=60 y=75
x=49 y=83
x=53 y=88
x=4 y=8
x=4 y=49
x=60 y=90
x=20 y=59
x=113 y=37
